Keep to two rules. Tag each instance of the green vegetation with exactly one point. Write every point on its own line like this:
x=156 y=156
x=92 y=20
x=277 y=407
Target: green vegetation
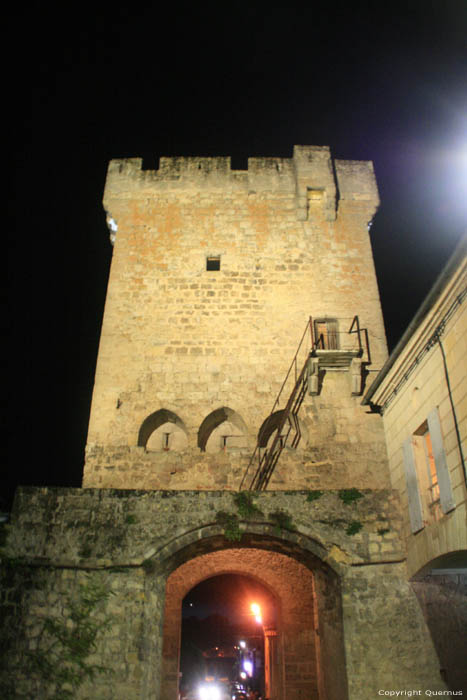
x=349 y=496
x=61 y=659
x=246 y=508
x=230 y=523
x=354 y=527
x=314 y=495
x=282 y=521
x=130 y=519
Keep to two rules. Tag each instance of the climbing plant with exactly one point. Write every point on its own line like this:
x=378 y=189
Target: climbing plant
x=61 y=661
x=282 y=521
x=246 y=508
x=229 y=522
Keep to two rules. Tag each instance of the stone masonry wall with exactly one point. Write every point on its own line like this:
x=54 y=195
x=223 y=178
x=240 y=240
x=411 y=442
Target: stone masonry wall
x=131 y=541
x=443 y=599
x=328 y=456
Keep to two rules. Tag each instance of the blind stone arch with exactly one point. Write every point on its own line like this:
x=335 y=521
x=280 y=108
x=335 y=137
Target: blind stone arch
x=161 y=420
x=273 y=423
x=236 y=426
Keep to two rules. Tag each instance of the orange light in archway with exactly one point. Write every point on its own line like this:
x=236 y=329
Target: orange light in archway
x=256 y=610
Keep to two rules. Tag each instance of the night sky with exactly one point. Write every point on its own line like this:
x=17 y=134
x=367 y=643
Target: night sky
x=378 y=81
x=230 y=595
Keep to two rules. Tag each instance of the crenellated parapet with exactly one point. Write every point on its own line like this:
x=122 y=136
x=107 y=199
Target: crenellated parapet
x=318 y=182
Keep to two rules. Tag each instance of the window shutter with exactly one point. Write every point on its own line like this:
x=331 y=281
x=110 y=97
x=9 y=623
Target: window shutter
x=413 y=494
x=332 y=335
x=444 y=480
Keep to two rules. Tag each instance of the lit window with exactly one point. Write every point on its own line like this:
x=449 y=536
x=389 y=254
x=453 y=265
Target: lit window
x=426 y=470
x=429 y=489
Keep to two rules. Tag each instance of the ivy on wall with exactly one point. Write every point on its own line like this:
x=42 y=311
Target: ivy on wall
x=248 y=510
x=61 y=661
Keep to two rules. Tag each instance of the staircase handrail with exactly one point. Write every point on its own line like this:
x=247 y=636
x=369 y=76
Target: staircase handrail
x=293 y=365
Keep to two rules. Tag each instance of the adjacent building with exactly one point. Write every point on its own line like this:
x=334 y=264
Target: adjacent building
x=421 y=393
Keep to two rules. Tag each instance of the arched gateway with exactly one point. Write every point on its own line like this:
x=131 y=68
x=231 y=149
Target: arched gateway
x=304 y=654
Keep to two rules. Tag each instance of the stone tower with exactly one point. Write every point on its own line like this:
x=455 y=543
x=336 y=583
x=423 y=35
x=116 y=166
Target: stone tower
x=216 y=275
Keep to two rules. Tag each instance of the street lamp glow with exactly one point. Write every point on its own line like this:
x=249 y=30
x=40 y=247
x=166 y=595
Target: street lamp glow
x=256 y=610
x=242 y=644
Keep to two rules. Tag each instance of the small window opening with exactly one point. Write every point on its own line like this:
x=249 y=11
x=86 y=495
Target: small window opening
x=213 y=264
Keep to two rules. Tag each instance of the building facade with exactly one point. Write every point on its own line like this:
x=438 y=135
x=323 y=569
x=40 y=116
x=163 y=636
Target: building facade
x=422 y=395
x=227 y=435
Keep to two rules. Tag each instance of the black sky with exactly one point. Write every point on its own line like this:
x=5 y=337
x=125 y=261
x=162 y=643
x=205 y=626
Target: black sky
x=230 y=595
x=378 y=81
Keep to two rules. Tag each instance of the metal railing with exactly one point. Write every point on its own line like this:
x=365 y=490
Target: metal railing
x=287 y=425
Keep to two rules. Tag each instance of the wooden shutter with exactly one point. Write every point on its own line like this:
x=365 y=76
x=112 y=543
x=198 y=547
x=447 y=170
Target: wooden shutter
x=333 y=341
x=444 y=480
x=413 y=493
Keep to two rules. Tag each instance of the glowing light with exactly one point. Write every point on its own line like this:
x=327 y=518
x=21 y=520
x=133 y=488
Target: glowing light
x=256 y=610
x=209 y=692
x=242 y=644
x=248 y=666
x=112 y=224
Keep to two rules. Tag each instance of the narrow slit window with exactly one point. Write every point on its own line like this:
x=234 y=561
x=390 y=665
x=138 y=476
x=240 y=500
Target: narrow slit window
x=213 y=264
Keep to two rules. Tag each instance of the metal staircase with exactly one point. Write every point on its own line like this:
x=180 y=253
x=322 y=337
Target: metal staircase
x=270 y=456
x=286 y=427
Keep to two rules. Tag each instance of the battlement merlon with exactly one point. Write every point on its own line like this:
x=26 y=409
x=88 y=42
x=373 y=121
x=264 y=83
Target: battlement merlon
x=310 y=175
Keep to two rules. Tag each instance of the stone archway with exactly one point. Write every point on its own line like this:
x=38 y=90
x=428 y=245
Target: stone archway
x=295 y=649
x=441 y=589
